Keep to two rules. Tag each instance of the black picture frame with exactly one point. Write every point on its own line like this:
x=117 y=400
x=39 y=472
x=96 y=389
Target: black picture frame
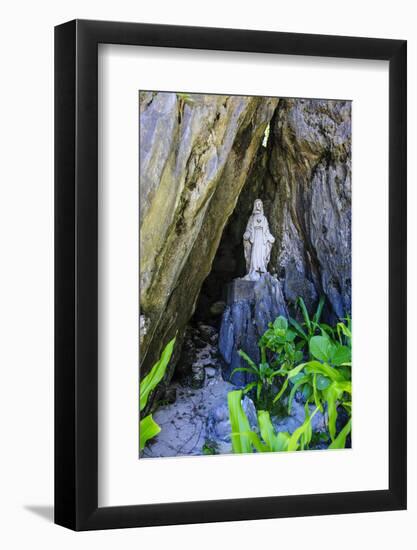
x=76 y=272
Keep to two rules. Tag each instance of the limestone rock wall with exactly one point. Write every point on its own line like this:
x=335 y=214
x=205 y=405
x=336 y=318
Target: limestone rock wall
x=303 y=176
x=195 y=154
x=307 y=189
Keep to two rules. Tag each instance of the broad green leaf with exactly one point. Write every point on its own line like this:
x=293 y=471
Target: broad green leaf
x=297 y=377
x=254 y=439
x=266 y=429
x=332 y=394
x=257 y=443
x=281 y=441
x=340 y=440
x=148 y=429
x=241 y=440
x=293 y=372
x=152 y=379
x=344 y=386
x=322 y=382
x=321 y=348
x=290 y=335
x=322 y=368
x=298 y=356
x=280 y=323
x=275 y=442
x=346 y=371
x=341 y=354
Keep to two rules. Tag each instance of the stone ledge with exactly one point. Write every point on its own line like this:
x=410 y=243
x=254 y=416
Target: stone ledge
x=240 y=290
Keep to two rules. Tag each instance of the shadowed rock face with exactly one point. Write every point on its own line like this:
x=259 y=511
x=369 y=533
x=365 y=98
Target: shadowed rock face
x=195 y=154
x=202 y=163
x=308 y=186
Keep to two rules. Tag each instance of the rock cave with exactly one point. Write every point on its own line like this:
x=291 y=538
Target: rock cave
x=204 y=159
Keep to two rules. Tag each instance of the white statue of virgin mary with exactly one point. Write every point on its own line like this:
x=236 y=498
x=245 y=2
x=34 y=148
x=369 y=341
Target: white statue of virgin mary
x=257 y=243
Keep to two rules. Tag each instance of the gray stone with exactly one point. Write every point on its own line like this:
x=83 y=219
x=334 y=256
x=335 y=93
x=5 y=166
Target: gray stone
x=293 y=421
x=309 y=180
x=249 y=409
x=240 y=290
x=197 y=416
x=197 y=377
x=217 y=308
x=218 y=420
x=251 y=307
x=210 y=372
x=206 y=331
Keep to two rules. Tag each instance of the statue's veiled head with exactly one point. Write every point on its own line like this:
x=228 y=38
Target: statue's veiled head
x=258 y=207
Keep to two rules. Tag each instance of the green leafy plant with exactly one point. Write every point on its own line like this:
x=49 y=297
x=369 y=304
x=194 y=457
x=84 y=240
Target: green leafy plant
x=340 y=441
x=185 y=97
x=210 y=447
x=263 y=384
x=310 y=327
x=311 y=357
x=344 y=332
x=148 y=428
x=245 y=440
x=325 y=379
x=278 y=341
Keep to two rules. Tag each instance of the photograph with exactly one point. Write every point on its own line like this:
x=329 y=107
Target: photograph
x=245 y=286
x=208 y=235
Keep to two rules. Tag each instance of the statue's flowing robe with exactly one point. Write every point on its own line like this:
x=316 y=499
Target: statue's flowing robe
x=258 y=245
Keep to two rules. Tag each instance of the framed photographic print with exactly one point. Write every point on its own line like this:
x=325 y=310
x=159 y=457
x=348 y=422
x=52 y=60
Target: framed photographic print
x=230 y=275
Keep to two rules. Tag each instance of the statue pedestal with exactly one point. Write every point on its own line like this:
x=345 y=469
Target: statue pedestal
x=251 y=305
x=240 y=290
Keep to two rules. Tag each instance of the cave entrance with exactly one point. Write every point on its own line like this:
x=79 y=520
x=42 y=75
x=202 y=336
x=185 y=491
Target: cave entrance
x=200 y=353
x=228 y=264
x=200 y=347
x=229 y=261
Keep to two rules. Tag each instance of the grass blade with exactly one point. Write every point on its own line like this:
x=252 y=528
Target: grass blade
x=340 y=441
x=152 y=379
x=241 y=440
x=148 y=429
